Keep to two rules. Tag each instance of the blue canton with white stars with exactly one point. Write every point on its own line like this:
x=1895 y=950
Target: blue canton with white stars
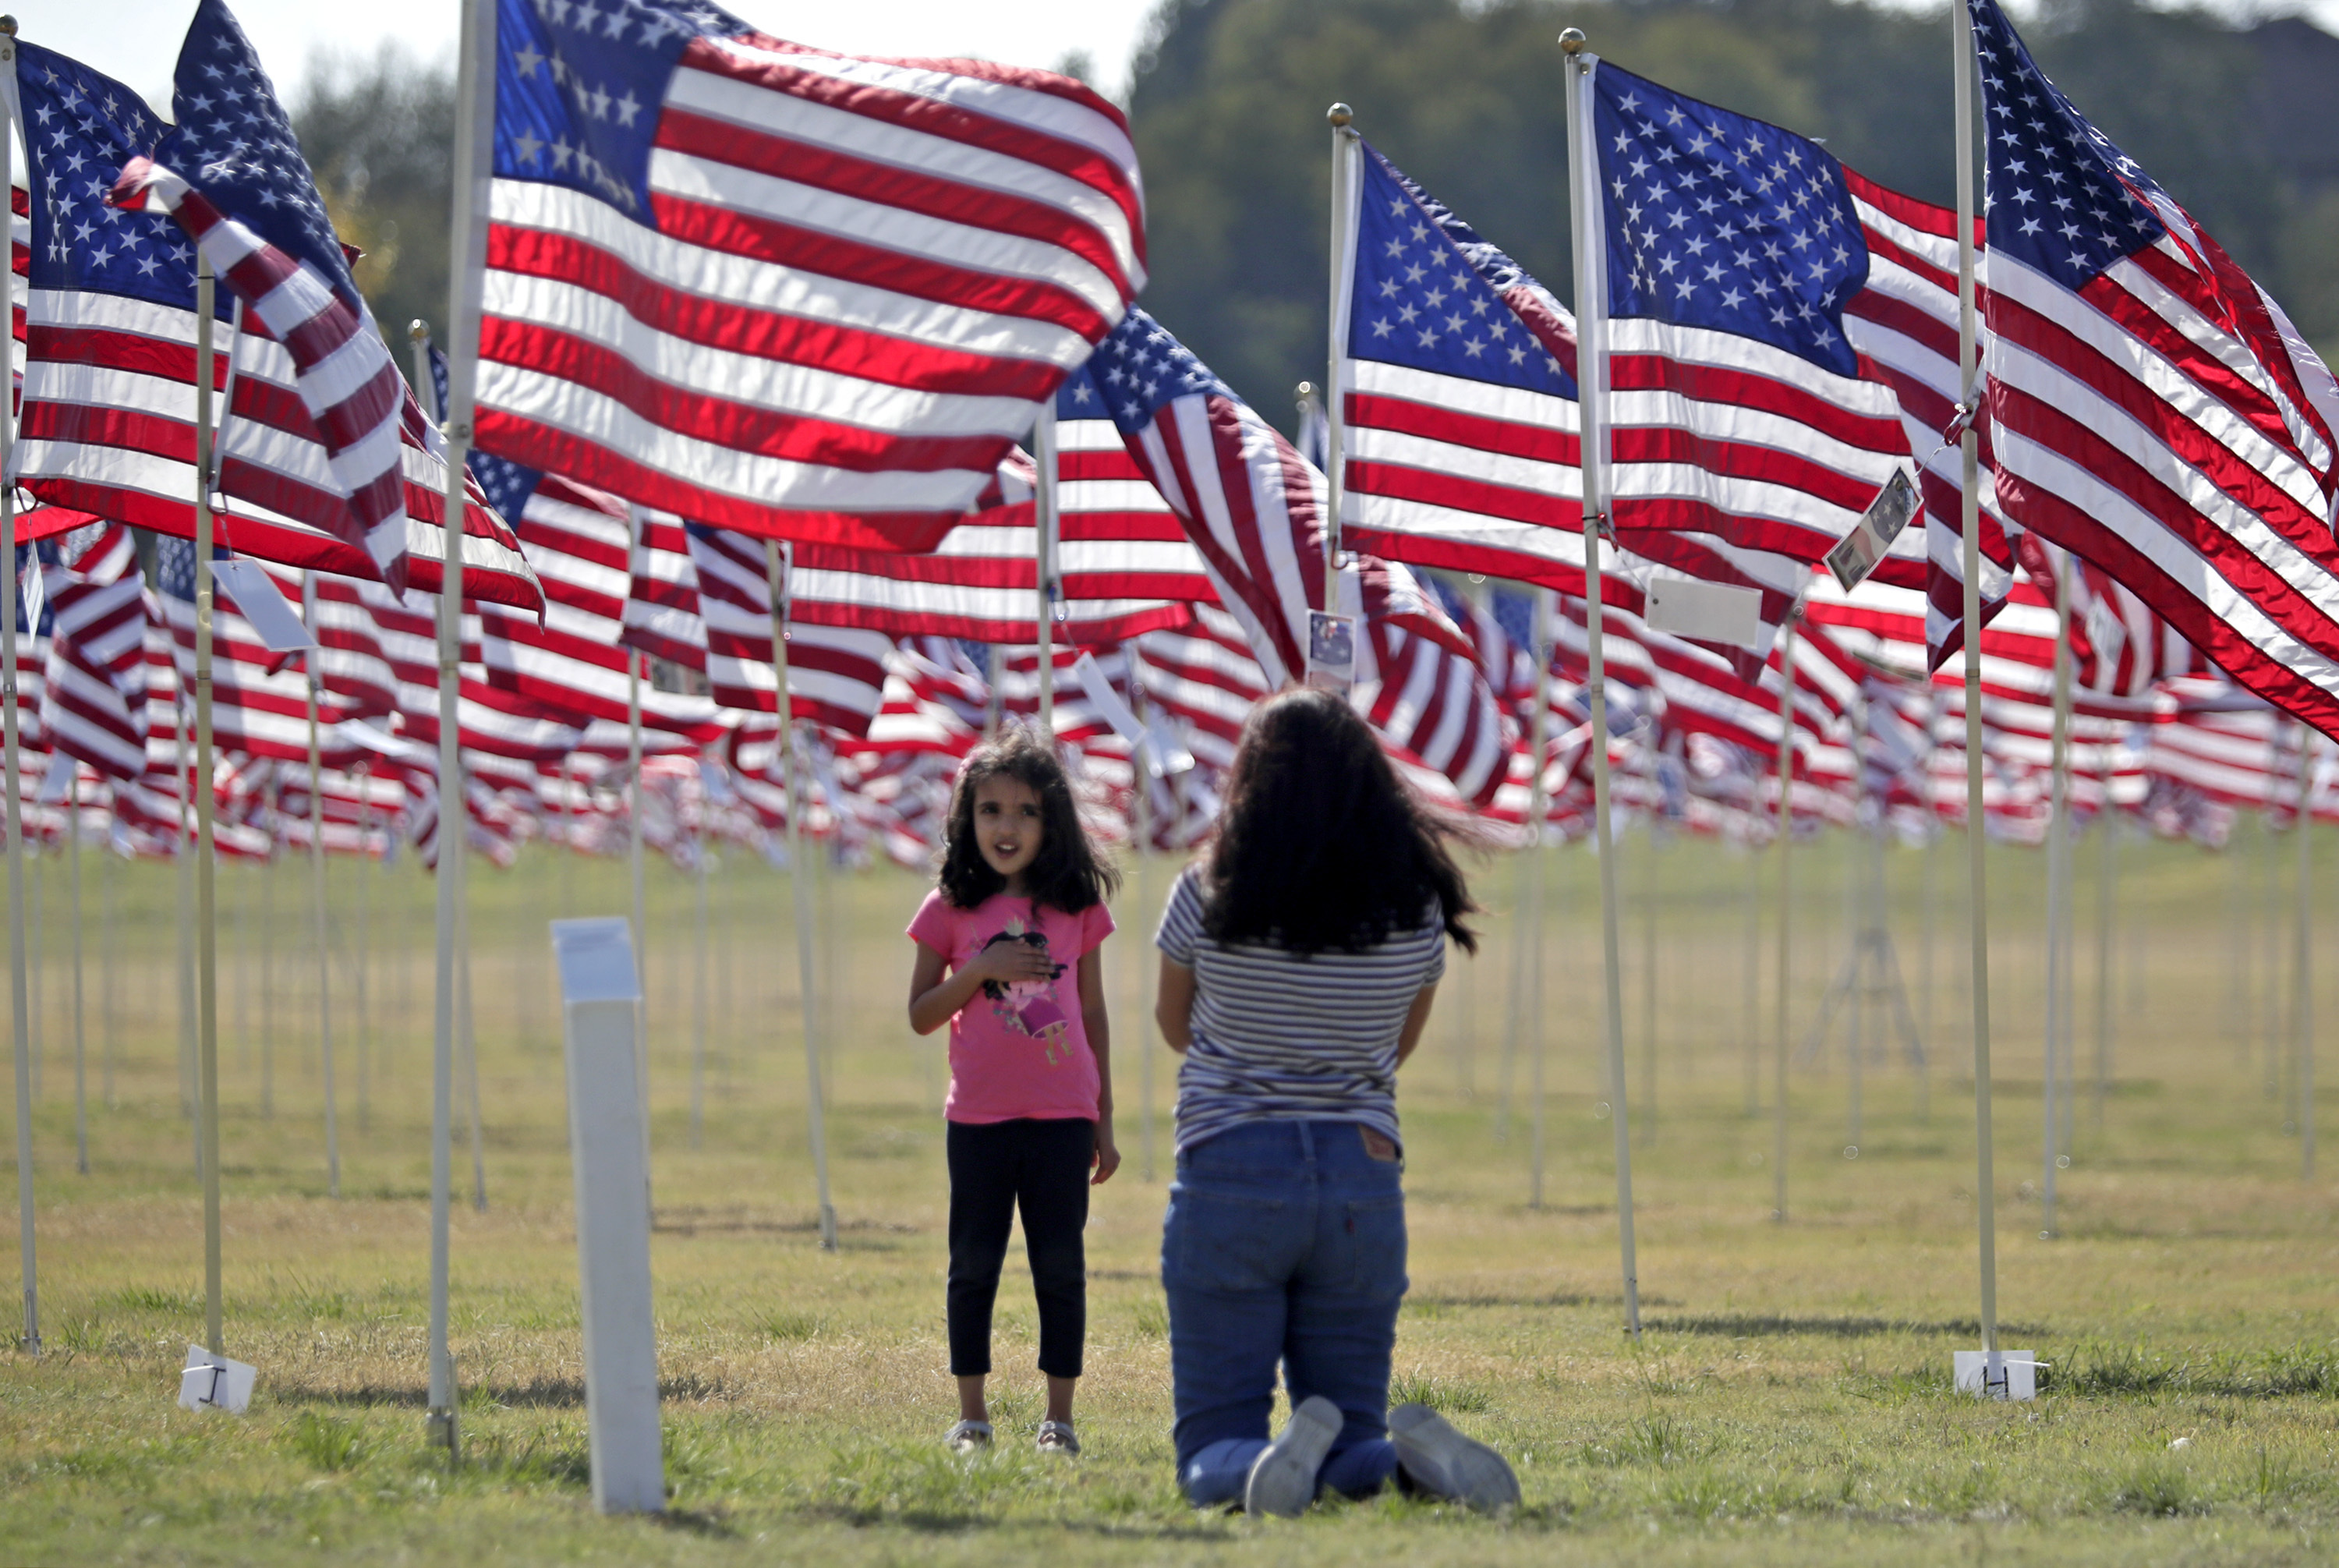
x=80 y=129
x=1722 y=221
x=1420 y=302
x=506 y=484
x=579 y=85
x=1138 y=369
x=1077 y=397
x=235 y=144
x=2059 y=195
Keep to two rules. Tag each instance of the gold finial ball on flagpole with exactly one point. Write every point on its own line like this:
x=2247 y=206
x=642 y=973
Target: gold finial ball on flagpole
x=1339 y=114
x=1572 y=41
x=8 y=27
x=418 y=329
x=1304 y=390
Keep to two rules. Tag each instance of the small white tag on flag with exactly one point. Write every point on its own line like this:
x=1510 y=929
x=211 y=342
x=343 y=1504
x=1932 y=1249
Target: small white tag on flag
x=1871 y=538
x=1706 y=611
x=259 y=601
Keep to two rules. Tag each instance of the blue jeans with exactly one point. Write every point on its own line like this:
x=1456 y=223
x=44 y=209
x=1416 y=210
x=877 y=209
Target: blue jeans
x=1284 y=1241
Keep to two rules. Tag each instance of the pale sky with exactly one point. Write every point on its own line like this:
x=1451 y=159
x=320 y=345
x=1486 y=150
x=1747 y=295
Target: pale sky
x=137 y=41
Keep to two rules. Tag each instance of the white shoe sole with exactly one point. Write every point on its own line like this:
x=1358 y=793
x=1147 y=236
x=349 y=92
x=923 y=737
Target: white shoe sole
x=1442 y=1462
x=1283 y=1479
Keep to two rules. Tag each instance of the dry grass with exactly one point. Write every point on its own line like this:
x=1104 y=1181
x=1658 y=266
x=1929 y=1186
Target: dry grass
x=1788 y=1402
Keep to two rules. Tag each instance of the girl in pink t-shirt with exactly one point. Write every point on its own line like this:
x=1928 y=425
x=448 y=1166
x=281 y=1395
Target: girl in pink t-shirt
x=1017 y=920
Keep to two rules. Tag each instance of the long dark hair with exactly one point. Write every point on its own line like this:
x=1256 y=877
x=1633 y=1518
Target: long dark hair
x=1067 y=874
x=1319 y=844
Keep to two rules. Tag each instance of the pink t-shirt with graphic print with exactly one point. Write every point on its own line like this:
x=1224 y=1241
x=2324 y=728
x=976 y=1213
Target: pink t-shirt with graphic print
x=1017 y=1050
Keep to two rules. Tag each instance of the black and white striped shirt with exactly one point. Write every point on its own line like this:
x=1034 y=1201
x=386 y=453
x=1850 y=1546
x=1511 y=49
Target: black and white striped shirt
x=1281 y=1035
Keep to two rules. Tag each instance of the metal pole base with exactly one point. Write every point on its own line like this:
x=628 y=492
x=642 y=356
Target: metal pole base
x=441 y=1432
x=828 y=1228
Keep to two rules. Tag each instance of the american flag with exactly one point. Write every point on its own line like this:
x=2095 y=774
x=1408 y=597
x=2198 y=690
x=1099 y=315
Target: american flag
x=700 y=599
x=1459 y=415
x=2155 y=410
x=108 y=421
x=1123 y=564
x=259 y=699
x=339 y=364
x=781 y=290
x=93 y=697
x=574 y=662
x=1253 y=507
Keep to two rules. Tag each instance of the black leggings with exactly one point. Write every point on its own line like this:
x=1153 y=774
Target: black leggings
x=1045 y=1165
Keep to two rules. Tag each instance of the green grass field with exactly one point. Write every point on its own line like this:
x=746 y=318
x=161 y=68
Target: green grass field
x=1790 y=1401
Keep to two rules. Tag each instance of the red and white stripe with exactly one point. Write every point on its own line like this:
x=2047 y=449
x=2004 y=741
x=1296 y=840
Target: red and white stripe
x=2167 y=421
x=346 y=378
x=92 y=703
x=860 y=280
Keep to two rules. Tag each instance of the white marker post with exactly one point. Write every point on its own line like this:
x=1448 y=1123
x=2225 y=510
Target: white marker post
x=600 y=1000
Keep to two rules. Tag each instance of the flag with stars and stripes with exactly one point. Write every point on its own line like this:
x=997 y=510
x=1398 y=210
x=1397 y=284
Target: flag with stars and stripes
x=1122 y=562
x=2153 y=410
x=1254 y=509
x=1458 y=399
x=109 y=398
x=781 y=290
x=574 y=662
x=94 y=696
x=1782 y=336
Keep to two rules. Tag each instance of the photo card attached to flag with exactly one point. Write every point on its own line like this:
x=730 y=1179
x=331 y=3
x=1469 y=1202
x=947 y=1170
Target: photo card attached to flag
x=1331 y=651
x=1870 y=540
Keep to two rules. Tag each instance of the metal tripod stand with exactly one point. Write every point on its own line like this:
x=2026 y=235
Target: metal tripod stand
x=1871 y=971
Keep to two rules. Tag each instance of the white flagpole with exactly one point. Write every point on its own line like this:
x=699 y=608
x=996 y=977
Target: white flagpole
x=635 y=659
x=1043 y=438
x=1592 y=375
x=698 y=987
x=80 y=1059
x=317 y=882
x=105 y=987
x=1347 y=149
x=1977 y=866
x=467 y=253
x=363 y=952
x=2058 y=897
x=2303 y=976
x=182 y=717
x=1142 y=821
x=1538 y=814
x=206 y=939
x=267 y=949
x=20 y=1018
x=1786 y=839
x=2106 y=883
x=795 y=779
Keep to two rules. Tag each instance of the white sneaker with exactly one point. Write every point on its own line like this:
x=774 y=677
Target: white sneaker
x=1283 y=1478
x=968 y=1437
x=1442 y=1461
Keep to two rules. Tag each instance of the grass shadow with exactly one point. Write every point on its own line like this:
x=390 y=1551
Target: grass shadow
x=1752 y=1325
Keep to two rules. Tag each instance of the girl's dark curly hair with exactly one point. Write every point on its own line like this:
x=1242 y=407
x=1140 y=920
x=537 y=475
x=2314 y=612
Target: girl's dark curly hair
x=1319 y=842
x=1067 y=874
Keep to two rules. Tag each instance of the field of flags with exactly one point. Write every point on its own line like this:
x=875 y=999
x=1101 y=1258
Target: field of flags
x=796 y=424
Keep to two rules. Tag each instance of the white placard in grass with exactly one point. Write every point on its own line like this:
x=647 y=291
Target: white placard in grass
x=607 y=1150
x=212 y=1382
x=1706 y=611
x=1998 y=1374
x=259 y=600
